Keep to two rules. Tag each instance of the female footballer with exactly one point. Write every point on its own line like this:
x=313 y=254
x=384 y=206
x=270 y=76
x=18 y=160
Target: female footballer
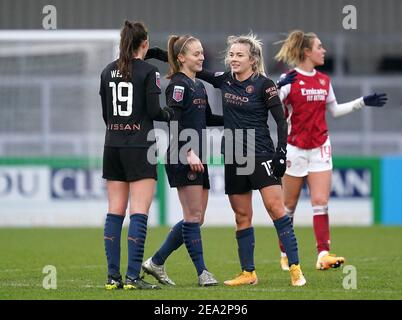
x=307 y=94
x=248 y=97
x=129 y=90
x=187 y=96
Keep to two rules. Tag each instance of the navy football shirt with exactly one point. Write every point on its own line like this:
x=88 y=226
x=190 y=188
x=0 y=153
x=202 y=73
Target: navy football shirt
x=245 y=106
x=189 y=100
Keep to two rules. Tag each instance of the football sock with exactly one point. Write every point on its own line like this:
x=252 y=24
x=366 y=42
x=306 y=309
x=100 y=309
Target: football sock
x=111 y=236
x=192 y=239
x=321 y=228
x=246 y=242
x=290 y=214
x=137 y=232
x=173 y=241
x=287 y=236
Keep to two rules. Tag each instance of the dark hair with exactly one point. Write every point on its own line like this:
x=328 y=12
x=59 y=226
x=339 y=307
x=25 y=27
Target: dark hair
x=131 y=36
x=177 y=45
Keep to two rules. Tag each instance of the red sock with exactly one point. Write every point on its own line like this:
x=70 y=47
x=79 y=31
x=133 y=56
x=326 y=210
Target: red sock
x=321 y=230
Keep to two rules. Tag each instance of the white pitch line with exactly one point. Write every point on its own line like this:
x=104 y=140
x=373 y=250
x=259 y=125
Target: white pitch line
x=228 y=290
x=95 y=266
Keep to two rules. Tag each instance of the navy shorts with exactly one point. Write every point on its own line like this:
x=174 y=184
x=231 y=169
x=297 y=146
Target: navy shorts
x=261 y=176
x=180 y=175
x=127 y=164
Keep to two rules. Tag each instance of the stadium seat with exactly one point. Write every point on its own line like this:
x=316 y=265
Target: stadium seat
x=390 y=64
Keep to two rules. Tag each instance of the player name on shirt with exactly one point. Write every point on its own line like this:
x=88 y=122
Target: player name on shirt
x=115 y=74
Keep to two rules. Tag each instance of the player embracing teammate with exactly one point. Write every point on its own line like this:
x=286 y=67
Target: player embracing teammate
x=186 y=172
x=248 y=97
x=251 y=160
x=129 y=90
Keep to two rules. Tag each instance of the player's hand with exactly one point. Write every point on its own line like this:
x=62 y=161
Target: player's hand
x=287 y=79
x=170 y=113
x=157 y=53
x=279 y=162
x=375 y=100
x=194 y=162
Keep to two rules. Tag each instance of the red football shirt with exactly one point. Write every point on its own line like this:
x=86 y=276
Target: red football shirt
x=305 y=105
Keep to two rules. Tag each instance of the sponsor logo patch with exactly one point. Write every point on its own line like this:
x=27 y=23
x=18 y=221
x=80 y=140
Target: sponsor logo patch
x=178 y=93
x=272 y=92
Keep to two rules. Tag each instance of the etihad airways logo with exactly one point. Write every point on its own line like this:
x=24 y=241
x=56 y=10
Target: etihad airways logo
x=234 y=99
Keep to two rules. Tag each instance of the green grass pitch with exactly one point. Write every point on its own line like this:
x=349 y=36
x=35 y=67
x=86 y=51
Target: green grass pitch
x=78 y=256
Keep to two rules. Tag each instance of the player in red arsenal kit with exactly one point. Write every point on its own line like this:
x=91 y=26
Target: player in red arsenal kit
x=307 y=94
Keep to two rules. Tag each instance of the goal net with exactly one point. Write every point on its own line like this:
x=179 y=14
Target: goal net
x=49 y=82
x=51 y=128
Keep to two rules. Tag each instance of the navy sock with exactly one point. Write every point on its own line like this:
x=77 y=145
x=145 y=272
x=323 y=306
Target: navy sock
x=137 y=232
x=192 y=239
x=173 y=241
x=287 y=236
x=111 y=236
x=245 y=242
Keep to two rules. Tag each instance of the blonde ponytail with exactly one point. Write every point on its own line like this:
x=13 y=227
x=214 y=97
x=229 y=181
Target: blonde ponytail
x=292 y=50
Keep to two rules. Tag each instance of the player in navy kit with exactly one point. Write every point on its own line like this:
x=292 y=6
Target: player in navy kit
x=185 y=169
x=129 y=90
x=309 y=149
x=248 y=97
